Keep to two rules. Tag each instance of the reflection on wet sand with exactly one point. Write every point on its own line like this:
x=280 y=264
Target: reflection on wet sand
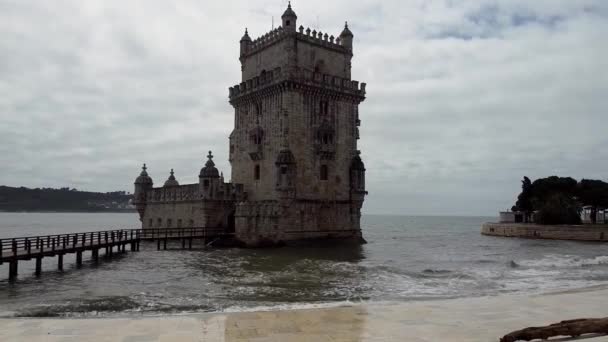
x=345 y=323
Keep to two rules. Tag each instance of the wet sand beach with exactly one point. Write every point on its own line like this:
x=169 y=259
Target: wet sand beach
x=467 y=319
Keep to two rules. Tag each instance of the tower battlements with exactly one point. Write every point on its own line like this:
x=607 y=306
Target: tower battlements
x=305 y=34
x=303 y=76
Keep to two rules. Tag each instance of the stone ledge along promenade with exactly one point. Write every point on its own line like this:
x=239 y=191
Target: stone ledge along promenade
x=16 y=249
x=552 y=232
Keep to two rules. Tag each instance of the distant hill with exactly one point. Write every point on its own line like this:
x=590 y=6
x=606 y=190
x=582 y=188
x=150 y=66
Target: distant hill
x=64 y=199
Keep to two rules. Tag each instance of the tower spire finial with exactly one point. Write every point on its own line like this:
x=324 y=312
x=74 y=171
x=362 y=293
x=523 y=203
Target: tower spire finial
x=144 y=167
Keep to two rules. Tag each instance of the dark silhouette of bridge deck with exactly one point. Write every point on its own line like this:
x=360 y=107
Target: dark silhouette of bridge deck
x=13 y=250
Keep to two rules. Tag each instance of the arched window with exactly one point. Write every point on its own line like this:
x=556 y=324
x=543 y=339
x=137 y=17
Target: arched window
x=179 y=223
x=323 y=174
x=169 y=222
x=263 y=76
x=160 y=222
x=256 y=172
x=258 y=111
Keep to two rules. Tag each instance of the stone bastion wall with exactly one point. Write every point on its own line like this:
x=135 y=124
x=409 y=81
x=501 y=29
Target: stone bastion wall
x=556 y=232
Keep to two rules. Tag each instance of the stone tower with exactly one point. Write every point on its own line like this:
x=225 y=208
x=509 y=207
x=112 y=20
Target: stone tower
x=294 y=143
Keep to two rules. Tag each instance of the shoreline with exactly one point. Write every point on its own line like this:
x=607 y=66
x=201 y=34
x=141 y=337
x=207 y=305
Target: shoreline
x=460 y=319
x=7 y=315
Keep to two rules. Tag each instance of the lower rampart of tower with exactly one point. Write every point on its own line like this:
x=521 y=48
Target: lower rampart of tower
x=265 y=223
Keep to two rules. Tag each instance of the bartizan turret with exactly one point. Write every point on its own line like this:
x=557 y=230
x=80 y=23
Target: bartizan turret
x=346 y=37
x=245 y=43
x=289 y=19
x=209 y=178
x=143 y=183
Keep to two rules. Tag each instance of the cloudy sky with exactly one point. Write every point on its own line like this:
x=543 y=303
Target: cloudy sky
x=464 y=97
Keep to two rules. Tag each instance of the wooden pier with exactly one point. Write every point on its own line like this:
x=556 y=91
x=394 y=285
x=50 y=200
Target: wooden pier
x=13 y=250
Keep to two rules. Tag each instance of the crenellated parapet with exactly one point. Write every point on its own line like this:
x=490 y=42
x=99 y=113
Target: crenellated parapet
x=191 y=192
x=322 y=39
x=305 y=34
x=303 y=77
x=258 y=82
x=186 y=192
x=266 y=40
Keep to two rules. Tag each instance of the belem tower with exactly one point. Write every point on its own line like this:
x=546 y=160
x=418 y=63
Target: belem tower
x=297 y=174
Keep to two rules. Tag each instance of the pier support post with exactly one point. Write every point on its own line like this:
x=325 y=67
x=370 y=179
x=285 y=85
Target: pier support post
x=12 y=269
x=183 y=243
x=95 y=255
x=38 y=266
x=165 y=244
x=79 y=258
x=190 y=243
x=60 y=262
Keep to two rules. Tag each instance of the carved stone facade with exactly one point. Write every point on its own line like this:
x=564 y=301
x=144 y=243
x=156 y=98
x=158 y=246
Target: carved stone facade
x=296 y=170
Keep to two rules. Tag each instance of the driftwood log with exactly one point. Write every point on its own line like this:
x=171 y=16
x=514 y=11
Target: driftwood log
x=572 y=328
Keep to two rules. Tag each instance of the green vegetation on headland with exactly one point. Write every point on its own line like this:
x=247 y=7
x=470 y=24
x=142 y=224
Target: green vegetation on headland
x=64 y=200
x=560 y=200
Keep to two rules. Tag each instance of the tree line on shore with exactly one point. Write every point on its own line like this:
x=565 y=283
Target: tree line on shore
x=63 y=199
x=560 y=200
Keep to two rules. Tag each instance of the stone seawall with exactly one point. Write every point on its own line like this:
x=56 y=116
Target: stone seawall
x=535 y=231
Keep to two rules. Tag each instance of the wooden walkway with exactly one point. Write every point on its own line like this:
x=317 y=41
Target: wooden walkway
x=37 y=247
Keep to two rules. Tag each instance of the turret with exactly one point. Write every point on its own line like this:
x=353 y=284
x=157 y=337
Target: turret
x=143 y=183
x=357 y=175
x=245 y=43
x=346 y=37
x=209 y=178
x=289 y=19
x=171 y=181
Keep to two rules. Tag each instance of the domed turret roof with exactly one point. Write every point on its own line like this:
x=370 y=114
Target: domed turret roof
x=171 y=181
x=289 y=12
x=346 y=32
x=246 y=37
x=143 y=177
x=209 y=171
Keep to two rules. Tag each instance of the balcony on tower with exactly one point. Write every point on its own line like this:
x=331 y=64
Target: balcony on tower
x=256 y=143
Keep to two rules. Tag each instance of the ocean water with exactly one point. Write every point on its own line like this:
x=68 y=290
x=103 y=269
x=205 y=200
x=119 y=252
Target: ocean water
x=406 y=258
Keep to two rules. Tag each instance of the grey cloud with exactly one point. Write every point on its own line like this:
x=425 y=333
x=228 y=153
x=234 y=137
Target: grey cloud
x=464 y=98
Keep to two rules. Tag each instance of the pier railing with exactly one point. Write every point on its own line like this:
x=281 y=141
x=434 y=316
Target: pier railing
x=37 y=244
x=26 y=248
